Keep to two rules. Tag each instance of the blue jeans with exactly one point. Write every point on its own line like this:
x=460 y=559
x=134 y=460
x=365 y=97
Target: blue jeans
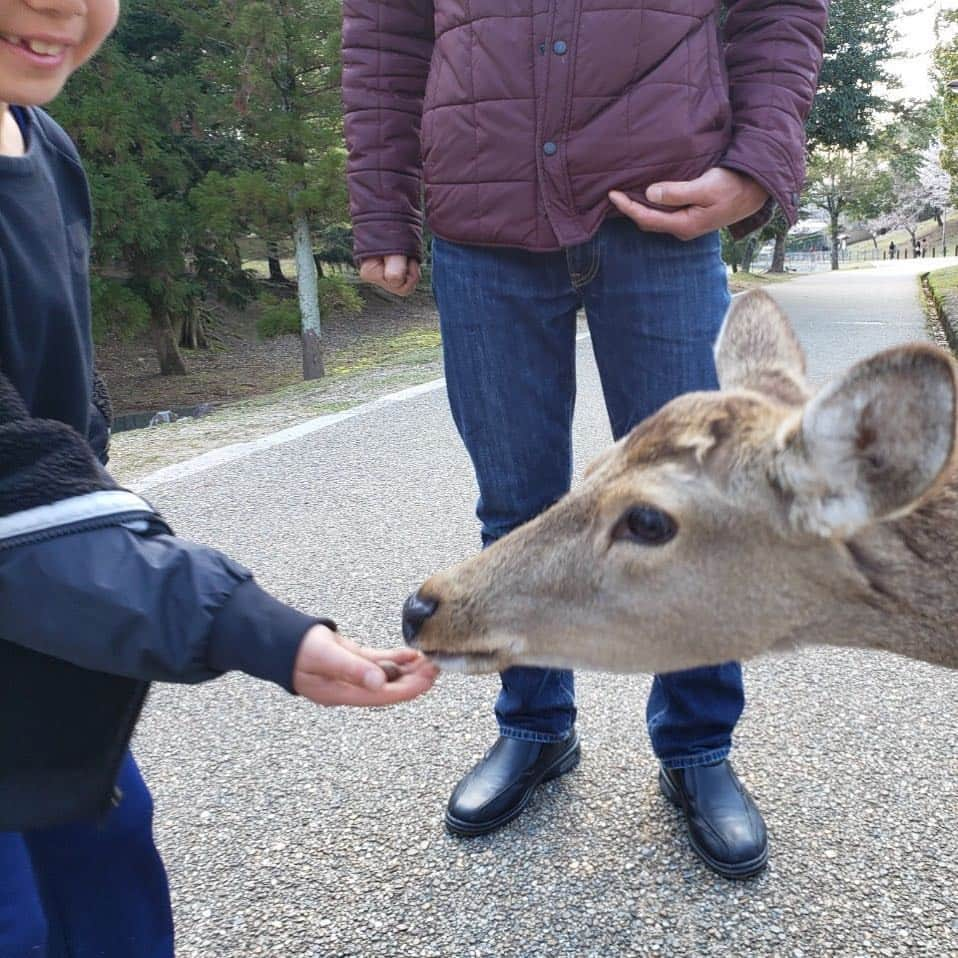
x=92 y=890
x=508 y=317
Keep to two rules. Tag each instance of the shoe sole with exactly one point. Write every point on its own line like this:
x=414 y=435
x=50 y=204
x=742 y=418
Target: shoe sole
x=564 y=763
x=744 y=870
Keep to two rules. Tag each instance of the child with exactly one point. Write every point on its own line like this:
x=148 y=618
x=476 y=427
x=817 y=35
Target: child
x=97 y=596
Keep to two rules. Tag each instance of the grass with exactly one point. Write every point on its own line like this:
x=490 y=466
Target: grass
x=928 y=229
x=740 y=282
x=944 y=281
x=360 y=373
x=941 y=287
x=411 y=347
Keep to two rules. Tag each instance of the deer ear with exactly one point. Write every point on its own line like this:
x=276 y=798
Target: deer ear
x=757 y=349
x=874 y=443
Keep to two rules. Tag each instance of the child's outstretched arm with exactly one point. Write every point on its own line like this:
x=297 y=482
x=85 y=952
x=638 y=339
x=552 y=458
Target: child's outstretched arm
x=91 y=574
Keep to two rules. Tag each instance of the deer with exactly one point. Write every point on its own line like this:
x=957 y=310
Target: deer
x=756 y=518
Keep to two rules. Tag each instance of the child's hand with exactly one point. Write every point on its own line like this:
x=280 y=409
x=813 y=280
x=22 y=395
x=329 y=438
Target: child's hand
x=331 y=670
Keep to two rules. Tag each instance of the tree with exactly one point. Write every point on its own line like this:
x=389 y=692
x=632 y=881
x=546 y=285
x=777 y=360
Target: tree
x=280 y=60
x=776 y=230
x=133 y=114
x=844 y=183
x=858 y=44
x=733 y=251
x=846 y=108
x=918 y=191
x=946 y=70
x=935 y=180
x=908 y=152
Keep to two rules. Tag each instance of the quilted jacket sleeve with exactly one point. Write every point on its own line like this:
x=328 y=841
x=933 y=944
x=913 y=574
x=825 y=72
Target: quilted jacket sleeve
x=387 y=47
x=773 y=54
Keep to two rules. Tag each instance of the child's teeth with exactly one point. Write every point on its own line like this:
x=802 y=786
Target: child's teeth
x=11 y=39
x=45 y=49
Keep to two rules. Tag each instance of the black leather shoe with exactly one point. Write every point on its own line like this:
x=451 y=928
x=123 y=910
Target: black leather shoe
x=499 y=787
x=726 y=828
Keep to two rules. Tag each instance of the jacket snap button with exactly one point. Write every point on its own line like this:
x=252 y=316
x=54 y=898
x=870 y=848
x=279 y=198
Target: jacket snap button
x=550 y=149
x=560 y=47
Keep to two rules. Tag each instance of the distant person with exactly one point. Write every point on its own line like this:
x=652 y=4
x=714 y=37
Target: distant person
x=891 y=249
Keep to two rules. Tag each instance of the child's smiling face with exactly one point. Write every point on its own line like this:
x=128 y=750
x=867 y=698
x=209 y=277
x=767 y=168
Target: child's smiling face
x=43 y=41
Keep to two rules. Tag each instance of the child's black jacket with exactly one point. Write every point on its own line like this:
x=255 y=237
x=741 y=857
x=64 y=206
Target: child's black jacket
x=97 y=597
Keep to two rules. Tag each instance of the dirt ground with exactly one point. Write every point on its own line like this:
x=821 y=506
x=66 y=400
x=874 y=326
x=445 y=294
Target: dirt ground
x=241 y=365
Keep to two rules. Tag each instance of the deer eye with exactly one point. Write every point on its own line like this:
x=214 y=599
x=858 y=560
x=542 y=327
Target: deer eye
x=646 y=525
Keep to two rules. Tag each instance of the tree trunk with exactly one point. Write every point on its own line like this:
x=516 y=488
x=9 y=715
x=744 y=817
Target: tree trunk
x=190 y=330
x=319 y=264
x=276 y=274
x=275 y=267
x=234 y=257
x=748 y=254
x=833 y=231
x=171 y=362
x=308 y=289
x=778 y=253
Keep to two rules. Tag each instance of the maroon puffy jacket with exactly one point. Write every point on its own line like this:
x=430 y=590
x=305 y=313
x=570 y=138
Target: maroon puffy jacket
x=521 y=115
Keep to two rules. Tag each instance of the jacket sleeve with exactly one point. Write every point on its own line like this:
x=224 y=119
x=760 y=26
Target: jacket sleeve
x=147 y=606
x=107 y=588
x=387 y=48
x=773 y=52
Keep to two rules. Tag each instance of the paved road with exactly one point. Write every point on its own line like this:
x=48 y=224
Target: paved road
x=298 y=833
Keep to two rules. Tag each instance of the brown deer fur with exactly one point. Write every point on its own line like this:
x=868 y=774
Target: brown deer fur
x=827 y=519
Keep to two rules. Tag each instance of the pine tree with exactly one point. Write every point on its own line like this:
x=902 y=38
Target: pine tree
x=133 y=113
x=280 y=59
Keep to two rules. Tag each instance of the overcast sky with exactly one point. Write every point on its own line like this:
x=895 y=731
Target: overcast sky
x=916 y=25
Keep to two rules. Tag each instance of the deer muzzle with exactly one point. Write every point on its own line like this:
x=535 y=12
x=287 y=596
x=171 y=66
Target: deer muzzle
x=415 y=611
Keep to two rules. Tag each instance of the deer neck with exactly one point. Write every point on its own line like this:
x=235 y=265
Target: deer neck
x=898 y=590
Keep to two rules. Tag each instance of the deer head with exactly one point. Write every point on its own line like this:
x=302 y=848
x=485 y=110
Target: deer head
x=721 y=527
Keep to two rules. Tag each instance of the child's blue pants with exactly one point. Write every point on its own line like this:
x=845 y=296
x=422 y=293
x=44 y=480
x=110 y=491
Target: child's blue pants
x=88 y=890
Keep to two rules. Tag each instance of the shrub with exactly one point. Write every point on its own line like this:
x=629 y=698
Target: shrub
x=338 y=294
x=280 y=317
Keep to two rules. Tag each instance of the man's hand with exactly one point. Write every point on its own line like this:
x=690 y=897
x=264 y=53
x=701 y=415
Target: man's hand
x=718 y=198
x=331 y=670
x=395 y=274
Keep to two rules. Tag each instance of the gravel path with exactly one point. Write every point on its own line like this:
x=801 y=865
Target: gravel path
x=295 y=832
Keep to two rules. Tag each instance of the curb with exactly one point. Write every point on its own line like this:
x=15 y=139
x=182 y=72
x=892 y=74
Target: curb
x=947 y=323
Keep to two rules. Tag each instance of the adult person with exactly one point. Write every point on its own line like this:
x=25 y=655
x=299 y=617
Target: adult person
x=577 y=155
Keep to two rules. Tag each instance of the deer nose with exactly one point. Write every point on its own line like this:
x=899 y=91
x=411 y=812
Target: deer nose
x=415 y=611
